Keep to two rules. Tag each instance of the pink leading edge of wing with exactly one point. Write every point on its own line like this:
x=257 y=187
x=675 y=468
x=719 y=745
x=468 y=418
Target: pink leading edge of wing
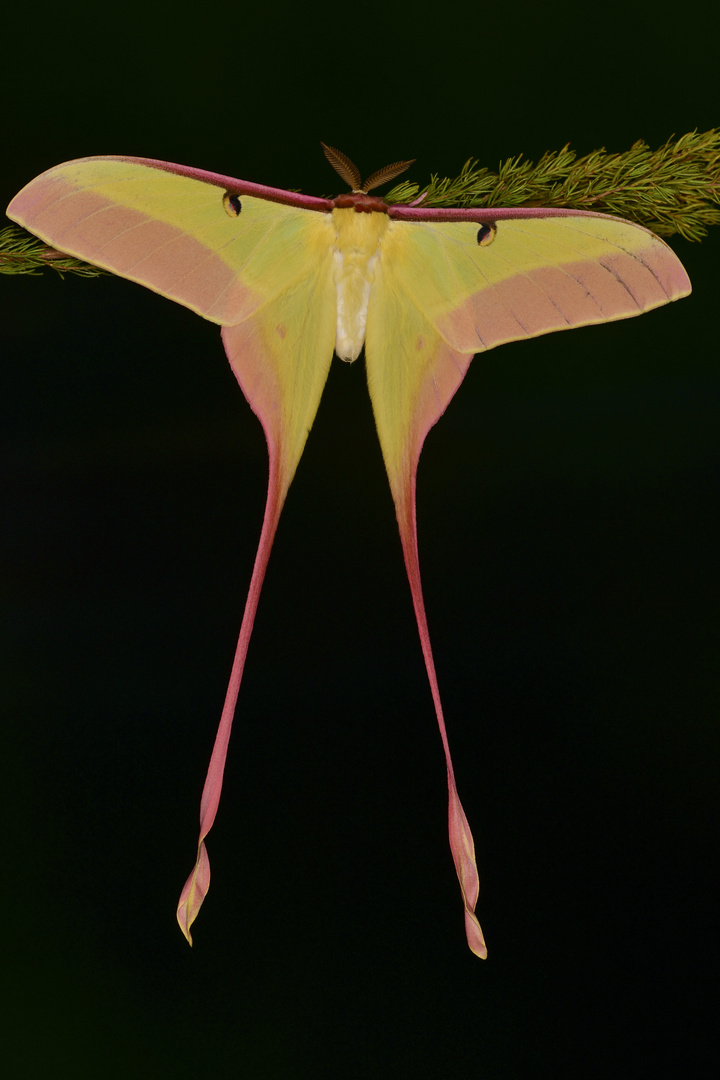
x=226 y=183
x=229 y=183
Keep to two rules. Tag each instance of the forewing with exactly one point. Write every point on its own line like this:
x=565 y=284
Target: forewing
x=172 y=229
x=483 y=285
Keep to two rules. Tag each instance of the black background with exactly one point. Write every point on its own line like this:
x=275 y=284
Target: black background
x=568 y=542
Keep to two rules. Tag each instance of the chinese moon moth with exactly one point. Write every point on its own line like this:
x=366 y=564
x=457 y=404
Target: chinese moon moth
x=292 y=278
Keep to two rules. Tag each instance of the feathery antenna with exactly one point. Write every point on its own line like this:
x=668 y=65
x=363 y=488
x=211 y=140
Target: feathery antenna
x=350 y=173
x=343 y=166
x=381 y=176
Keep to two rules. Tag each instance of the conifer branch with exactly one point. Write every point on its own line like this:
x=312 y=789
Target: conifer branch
x=674 y=189
x=23 y=253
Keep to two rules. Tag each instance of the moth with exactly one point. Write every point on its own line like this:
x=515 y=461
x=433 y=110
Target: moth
x=293 y=279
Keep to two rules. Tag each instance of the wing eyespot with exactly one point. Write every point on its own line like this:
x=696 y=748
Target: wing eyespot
x=232 y=204
x=486 y=234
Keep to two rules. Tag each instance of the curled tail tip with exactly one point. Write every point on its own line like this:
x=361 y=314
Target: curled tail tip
x=475 y=938
x=194 y=892
x=185 y=929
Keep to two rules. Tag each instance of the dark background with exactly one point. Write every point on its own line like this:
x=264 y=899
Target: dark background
x=568 y=541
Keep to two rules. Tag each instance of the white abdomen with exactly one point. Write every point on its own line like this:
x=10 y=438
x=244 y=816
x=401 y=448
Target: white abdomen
x=357 y=249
